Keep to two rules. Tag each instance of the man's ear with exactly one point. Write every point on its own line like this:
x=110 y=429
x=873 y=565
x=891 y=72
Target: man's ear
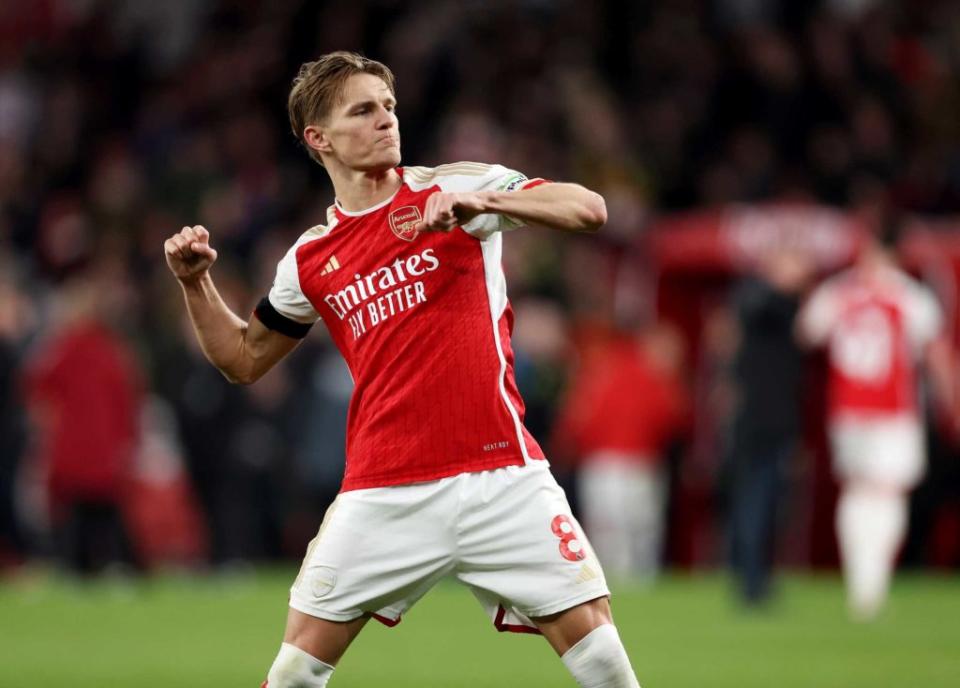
x=317 y=139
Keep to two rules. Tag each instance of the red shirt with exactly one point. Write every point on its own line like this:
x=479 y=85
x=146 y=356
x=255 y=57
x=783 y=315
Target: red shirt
x=424 y=324
x=875 y=329
x=619 y=402
x=85 y=394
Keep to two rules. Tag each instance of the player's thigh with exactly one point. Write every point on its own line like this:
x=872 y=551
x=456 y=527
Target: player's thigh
x=323 y=639
x=565 y=629
x=521 y=546
x=377 y=552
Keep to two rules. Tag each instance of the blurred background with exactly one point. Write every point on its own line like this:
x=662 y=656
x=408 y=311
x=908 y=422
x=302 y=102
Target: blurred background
x=722 y=133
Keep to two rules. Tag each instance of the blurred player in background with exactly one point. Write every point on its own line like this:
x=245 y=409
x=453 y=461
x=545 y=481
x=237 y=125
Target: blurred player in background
x=878 y=326
x=441 y=476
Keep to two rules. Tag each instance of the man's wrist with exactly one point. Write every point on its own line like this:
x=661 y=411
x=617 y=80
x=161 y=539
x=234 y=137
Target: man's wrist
x=195 y=283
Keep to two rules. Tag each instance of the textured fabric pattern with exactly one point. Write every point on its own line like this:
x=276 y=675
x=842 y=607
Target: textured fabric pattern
x=424 y=324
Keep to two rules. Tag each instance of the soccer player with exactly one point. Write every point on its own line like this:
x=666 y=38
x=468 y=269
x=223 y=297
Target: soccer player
x=878 y=326
x=441 y=478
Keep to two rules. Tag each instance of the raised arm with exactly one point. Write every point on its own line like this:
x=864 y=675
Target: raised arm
x=569 y=207
x=242 y=351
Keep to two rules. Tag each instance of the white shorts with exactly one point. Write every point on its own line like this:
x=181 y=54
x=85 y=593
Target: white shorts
x=507 y=533
x=889 y=451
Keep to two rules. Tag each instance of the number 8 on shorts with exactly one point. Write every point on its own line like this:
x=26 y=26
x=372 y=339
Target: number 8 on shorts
x=571 y=548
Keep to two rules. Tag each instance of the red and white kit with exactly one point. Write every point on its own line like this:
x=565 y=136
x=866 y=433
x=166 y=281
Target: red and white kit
x=876 y=330
x=423 y=322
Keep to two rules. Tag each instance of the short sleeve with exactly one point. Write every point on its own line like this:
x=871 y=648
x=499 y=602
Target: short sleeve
x=499 y=178
x=819 y=315
x=924 y=317
x=286 y=309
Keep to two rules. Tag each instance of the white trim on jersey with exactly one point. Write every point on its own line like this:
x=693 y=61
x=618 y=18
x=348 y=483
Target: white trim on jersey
x=332 y=218
x=492 y=249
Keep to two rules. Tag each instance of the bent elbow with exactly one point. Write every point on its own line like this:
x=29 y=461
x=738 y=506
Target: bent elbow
x=239 y=377
x=594 y=213
x=234 y=379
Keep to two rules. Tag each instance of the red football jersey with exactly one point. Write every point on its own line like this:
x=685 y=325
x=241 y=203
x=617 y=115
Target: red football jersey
x=621 y=402
x=424 y=324
x=86 y=388
x=875 y=329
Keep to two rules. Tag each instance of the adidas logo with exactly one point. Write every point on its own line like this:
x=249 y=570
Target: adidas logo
x=332 y=264
x=586 y=573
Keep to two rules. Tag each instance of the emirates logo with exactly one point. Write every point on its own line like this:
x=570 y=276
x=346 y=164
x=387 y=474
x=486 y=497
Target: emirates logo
x=403 y=220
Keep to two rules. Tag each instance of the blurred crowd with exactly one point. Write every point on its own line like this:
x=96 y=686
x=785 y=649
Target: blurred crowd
x=120 y=122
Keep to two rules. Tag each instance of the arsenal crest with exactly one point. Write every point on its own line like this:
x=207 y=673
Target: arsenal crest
x=403 y=220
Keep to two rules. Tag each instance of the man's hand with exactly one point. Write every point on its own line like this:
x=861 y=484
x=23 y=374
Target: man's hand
x=444 y=211
x=189 y=254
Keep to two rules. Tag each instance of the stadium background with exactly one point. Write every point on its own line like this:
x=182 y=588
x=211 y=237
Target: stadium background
x=715 y=130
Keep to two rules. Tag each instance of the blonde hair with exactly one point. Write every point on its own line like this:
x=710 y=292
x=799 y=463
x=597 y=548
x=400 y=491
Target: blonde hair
x=318 y=87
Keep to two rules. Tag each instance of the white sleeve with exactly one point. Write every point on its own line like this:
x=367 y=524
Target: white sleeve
x=819 y=315
x=497 y=178
x=286 y=296
x=924 y=317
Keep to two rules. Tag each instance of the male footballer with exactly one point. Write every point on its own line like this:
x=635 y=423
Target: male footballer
x=442 y=478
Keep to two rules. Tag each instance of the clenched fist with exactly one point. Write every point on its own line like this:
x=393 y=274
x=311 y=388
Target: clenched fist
x=189 y=254
x=444 y=211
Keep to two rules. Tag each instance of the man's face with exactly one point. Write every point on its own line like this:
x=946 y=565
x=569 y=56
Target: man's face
x=361 y=130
